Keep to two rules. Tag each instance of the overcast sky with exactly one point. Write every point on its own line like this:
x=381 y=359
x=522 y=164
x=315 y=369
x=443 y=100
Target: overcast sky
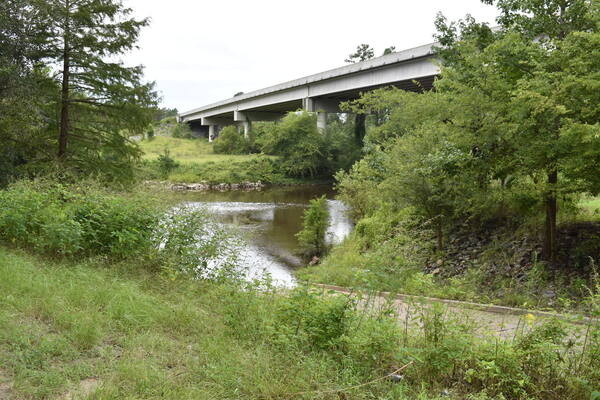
x=199 y=52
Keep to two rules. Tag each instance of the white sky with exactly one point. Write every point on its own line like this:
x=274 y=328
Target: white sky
x=199 y=52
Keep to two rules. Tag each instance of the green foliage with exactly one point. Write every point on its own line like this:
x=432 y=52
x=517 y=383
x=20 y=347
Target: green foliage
x=59 y=221
x=166 y=164
x=508 y=134
x=303 y=150
x=150 y=133
x=55 y=220
x=181 y=131
x=528 y=100
x=363 y=52
x=26 y=95
x=299 y=143
x=193 y=246
x=314 y=226
x=90 y=108
x=314 y=321
x=230 y=141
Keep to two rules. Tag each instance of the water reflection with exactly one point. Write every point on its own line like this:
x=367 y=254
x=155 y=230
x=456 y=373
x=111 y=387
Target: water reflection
x=268 y=221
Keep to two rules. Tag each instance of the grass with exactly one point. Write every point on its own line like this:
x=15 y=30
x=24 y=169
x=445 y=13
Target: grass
x=189 y=151
x=196 y=162
x=92 y=330
x=591 y=207
x=72 y=328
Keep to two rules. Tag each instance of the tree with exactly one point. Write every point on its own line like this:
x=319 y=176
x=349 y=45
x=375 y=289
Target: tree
x=314 y=226
x=230 y=141
x=25 y=90
x=101 y=100
x=363 y=52
x=539 y=76
x=389 y=50
x=299 y=143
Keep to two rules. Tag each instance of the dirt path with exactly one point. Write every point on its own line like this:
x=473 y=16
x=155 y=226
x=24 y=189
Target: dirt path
x=503 y=322
x=5 y=387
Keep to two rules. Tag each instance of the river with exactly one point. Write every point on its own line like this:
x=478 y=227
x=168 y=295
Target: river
x=267 y=221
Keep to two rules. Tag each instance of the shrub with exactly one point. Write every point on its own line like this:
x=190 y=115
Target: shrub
x=182 y=131
x=230 y=141
x=166 y=164
x=299 y=143
x=314 y=226
x=114 y=226
x=313 y=319
x=55 y=220
x=190 y=245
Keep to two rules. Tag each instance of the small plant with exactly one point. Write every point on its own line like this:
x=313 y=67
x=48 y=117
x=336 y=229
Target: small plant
x=314 y=225
x=166 y=163
x=190 y=245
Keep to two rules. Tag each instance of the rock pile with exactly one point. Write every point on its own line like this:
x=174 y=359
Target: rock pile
x=222 y=187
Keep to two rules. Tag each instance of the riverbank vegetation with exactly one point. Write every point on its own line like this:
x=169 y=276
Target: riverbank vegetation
x=285 y=152
x=483 y=189
x=181 y=160
x=474 y=190
x=314 y=228
x=96 y=328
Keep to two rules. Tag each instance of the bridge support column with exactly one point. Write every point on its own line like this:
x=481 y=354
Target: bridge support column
x=321 y=121
x=212 y=132
x=247 y=126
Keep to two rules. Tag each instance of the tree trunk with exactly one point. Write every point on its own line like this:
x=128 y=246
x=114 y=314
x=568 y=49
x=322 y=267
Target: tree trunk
x=549 y=251
x=360 y=128
x=64 y=105
x=439 y=233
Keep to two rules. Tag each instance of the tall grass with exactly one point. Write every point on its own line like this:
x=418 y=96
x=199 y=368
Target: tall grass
x=135 y=334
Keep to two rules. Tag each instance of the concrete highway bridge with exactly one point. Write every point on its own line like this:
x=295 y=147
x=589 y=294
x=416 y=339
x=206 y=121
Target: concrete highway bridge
x=411 y=69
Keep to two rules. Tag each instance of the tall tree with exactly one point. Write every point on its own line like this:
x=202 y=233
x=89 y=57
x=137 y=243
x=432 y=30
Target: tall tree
x=363 y=52
x=533 y=82
x=24 y=89
x=101 y=100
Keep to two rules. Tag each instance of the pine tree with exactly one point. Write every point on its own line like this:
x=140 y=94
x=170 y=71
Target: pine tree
x=101 y=101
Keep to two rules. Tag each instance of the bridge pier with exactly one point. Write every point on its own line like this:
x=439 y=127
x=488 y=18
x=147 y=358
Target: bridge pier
x=321 y=121
x=321 y=107
x=247 y=126
x=212 y=132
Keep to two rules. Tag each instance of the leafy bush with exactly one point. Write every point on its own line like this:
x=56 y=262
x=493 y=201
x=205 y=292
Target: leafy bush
x=54 y=220
x=112 y=225
x=299 y=143
x=166 y=164
x=314 y=225
x=182 y=131
x=230 y=141
x=192 y=246
x=315 y=320
x=150 y=133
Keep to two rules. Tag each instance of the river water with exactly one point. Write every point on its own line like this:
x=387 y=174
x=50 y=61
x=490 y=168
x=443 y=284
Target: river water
x=267 y=221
